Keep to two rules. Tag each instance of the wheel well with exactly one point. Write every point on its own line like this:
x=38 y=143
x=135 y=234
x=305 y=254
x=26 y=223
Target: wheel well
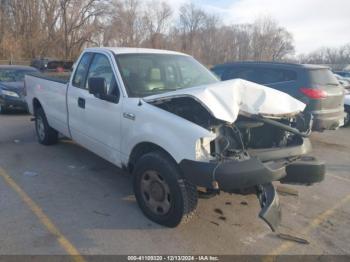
x=141 y=149
x=36 y=105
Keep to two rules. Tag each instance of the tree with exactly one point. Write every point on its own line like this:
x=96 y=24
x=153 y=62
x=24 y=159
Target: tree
x=191 y=21
x=156 y=20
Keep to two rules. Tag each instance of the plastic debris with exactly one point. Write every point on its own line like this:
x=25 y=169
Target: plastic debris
x=293 y=238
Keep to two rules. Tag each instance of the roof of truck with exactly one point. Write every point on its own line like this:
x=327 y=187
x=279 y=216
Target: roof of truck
x=130 y=50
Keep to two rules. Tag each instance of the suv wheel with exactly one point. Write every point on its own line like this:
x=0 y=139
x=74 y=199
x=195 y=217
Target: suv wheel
x=46 y=135
x=162 y=194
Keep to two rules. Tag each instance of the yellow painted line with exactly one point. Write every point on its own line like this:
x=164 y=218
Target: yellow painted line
x=44 y=219
x=314 y=223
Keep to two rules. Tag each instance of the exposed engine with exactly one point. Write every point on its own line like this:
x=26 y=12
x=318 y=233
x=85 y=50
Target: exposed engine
x=247 y=132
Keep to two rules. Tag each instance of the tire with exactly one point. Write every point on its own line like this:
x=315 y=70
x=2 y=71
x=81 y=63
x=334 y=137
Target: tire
x=46 y=135
x=162 y=194
x=3 y=109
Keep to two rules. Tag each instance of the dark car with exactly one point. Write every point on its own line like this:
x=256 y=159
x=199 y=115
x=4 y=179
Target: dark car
x=314 y=85
x=343 y=73
x=12 y=87
x=53 y=65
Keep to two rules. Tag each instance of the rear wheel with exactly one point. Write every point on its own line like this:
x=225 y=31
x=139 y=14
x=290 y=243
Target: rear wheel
x=162 y=194
x=46 y=135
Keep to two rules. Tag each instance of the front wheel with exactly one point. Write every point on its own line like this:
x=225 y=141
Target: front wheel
x=46 y=134
x=162 y=194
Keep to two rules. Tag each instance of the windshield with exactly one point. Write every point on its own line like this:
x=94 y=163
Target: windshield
x=13 y=75
x=149 y=74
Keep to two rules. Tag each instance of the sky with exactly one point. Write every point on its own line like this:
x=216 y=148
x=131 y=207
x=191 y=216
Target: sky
x=313 y=23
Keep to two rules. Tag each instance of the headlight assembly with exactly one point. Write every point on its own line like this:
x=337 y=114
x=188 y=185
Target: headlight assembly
x=9 y=93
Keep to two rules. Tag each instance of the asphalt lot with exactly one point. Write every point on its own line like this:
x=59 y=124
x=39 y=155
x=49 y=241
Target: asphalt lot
x=62 y=198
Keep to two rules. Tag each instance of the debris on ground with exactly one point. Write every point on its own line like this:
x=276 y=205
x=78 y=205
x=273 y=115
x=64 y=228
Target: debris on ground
x=222 y=218
x=293 y=238
x=283 y=190
x=228 y=203
x=218 y=211
x=30 y=173
x=244 y=203
x=216 y=224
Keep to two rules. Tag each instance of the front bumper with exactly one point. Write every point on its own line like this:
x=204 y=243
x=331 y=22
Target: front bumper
x=16 y=102
x=288 y=165
x=232 y=175
x=263 y=167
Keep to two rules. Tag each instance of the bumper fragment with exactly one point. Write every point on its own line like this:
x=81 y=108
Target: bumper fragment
x=270 y=207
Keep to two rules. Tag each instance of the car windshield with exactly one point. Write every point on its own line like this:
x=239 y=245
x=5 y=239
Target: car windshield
x=13 y=75
x=149 y=74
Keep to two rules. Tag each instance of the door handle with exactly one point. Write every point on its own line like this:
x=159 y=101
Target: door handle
x=129 y=116
x=81 y=102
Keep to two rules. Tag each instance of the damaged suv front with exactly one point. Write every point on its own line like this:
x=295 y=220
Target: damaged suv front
x=257 y=136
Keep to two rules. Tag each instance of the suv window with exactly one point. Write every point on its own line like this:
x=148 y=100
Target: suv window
x=261 y=75
x=100 y=67
x=246 y=73
x=269 y=76
x=323 y=77
x=80 y=73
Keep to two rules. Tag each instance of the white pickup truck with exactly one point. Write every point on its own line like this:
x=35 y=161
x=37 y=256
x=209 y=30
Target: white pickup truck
x=167 y=120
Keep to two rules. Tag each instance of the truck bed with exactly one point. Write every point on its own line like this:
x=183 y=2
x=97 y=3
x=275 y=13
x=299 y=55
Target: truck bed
x=50 y=89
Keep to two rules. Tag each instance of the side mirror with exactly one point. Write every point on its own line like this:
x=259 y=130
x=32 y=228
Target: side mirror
x=97 y=86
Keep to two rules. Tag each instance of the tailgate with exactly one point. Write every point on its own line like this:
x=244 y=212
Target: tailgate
x=324 y=80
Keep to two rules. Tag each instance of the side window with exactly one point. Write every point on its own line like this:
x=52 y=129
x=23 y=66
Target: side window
x=245 y=73
x=270 y=76
x=100 y=67
x=80 y=73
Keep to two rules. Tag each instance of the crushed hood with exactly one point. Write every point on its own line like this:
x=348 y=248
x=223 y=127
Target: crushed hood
x=224 y=100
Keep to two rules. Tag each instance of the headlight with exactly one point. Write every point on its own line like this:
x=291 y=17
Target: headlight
x=203 y=149
x=9 y=93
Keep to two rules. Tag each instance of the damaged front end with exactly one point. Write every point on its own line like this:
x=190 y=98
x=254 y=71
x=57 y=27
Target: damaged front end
x=251 y=152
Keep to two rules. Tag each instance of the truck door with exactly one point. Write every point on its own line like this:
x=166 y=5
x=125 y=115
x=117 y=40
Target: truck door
x=93 y=122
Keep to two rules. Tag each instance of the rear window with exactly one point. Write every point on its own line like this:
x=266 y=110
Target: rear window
x=323 y=77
